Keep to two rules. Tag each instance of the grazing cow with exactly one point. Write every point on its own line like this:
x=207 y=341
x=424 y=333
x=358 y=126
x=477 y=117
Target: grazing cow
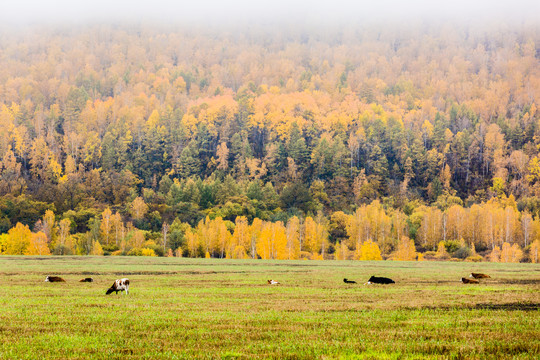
x=272 y=282
x=469 y=281
x=380 y=280
x=479 y=276
x=349 y=281
x=119 y=285
x=54 y=279
x=86 y=280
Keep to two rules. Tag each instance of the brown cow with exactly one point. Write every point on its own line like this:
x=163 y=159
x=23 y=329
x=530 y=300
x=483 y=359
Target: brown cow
x=86 y=280
x=54 y=279
x=479 y=276
x=469 y=281
x=273 y=282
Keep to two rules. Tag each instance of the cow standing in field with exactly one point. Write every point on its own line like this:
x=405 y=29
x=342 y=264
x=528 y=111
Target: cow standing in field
x=119 y=285
x=54 y=279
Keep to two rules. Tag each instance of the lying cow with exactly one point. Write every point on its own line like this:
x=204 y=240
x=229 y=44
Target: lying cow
x=273 y=282
x=380 y=280
x=469 y=281
x=86 y=280
x=119 y=285
x=347 y=281
x=50 y=278
x=479 y=276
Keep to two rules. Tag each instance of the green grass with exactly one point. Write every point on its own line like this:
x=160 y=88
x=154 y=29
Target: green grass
x=206 y=308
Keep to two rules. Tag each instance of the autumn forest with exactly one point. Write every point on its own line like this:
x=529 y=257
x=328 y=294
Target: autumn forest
x=360 y=143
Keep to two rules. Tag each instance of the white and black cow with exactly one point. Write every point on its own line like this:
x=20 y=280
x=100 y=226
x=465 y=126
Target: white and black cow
x=119 y=285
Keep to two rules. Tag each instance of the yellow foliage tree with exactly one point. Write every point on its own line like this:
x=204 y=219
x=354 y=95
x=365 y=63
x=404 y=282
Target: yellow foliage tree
x=280 y=241
x=369 y=251
x=511 y=253
x=255 y=230
x=38 y=245
x=3 y=241
x=137 y=238
x=293 y=238
x=49 y=227
x=239 y=252
x=64 y=227
x=310 y=235
x=406 y=250
x=441 y=251
x=96 y=249
x=315 y=237
x=272 y=242
x=342 y=251
x=118 y=228
x=534 y=253
x=138 y=208
x=106 y=226
x=506 y=253
x=240 y=239
x=495 y=255
x=192 y=242
x=18 y=240
x=473 y=250
x=517 y=253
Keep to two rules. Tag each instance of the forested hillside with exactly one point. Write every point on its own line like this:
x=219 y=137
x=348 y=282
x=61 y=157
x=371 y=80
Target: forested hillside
x=320 y=143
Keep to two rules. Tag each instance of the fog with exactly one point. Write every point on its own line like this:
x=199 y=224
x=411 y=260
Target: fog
x=216 y=12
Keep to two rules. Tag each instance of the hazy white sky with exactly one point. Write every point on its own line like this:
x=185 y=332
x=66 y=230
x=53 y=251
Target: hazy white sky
x=231 y=11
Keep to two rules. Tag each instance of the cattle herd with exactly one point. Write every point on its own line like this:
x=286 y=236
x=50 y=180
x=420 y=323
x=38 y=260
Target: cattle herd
x=118 y=285
x=474 y=277
x=123 y=284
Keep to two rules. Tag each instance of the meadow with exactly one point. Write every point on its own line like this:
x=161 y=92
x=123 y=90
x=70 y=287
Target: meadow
x=181 y=308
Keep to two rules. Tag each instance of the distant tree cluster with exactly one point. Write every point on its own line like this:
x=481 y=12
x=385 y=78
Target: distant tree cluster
x=354 y=143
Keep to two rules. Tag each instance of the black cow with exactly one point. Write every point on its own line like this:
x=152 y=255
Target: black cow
x=380 y=280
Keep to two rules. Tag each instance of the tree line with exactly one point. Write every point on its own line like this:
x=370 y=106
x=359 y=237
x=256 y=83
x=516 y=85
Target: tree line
x=310 y=144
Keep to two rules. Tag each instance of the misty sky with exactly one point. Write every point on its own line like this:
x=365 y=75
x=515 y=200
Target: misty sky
x=232 y=11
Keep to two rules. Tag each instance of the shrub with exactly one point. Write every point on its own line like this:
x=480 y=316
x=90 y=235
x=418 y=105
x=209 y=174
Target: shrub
x=147 y=252
x=109 y=249
x=135 y=252
x=62 y=250
x=158 y=250
x=474 y=258
x=452 y=246
x=462 y=253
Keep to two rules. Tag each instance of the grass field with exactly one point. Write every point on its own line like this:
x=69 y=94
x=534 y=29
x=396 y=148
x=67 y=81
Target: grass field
x=207 y=308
